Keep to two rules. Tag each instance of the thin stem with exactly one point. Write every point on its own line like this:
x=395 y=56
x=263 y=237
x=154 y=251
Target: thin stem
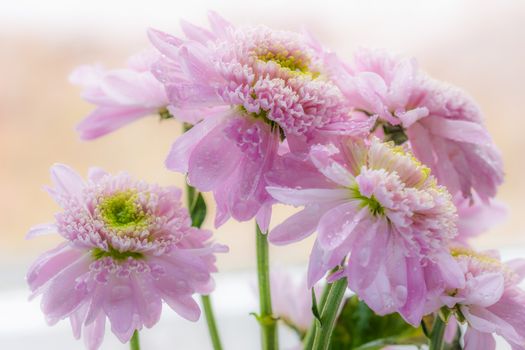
x=266 y=320
x=329 y=315
x=134 y=343
x=192 y=195
x=438 y=331
x=309 y=338
x=210 y=320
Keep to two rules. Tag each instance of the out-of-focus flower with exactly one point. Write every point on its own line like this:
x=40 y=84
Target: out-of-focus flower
x=490 y=302
x=259 y=85
x=292 y=300
x=377 y=202
x=129 y=246
x=476 y=217
x=121 y=95
x=443 y=125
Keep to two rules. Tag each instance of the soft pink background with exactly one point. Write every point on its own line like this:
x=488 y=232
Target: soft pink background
x=478 y=45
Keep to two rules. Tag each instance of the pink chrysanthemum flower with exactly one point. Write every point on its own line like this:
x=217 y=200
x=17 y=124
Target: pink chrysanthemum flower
x=443 y=125
x=377 y=203
x=130 y=246
x=260 y=86
x=490 y=302
x=121 y=95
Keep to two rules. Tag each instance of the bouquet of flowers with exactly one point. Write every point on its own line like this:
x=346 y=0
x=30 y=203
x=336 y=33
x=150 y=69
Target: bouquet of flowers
x=393 y=171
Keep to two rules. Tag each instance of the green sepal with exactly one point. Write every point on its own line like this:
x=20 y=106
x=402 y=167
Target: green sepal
x=198 y=211
x=315 y=309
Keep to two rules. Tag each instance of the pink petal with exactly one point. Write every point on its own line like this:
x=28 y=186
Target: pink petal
x=213 y=160
x=87 y=76
x=484 y=320
x=66 y=181
x=219 y=25
x=485 y=290
x=307 y=196
x=518 y=266
x=41 y=230
x=321 y=157
x=148 y=302
x=64 y=293
x=119 y=305
x=457 y=130
x=184 y=306
x=180 y=152
x=450 y=271
x=413 y=310
x=338 y=223
x=475 y=340
x=421 y=142
x=130 y=88
x=478 y=217
x=316 y=267
x=104 y=120
x=298 y=226
x=143 y=60
x=368 y=254
x=49 y=264
x=451 y=330
x=95 y=174
x=263 y=217
x=165 y=43
x=94 y=333
x=195 y=61
x=196 y=33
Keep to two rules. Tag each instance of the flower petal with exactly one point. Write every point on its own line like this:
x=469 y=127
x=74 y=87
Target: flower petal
x=41 y=230
x=338 y=223
x=475 y=340
x=457 y=130
x=486 y=289
x=94 y=332
x=67 y=181
x=307 y=196
x=209 y=165
x=104 y=120
x=180 y=152
x=321 y=157
x=298 y=226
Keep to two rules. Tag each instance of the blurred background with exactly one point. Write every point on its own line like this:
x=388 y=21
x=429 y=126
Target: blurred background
x=477 y=45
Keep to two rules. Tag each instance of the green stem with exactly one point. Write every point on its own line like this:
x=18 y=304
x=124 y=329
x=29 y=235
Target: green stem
x=266 y=320
x=309 y=338
x=438 y=331
x=197 y=216
x=329 y=315
x=134 y=343
x=210 y=320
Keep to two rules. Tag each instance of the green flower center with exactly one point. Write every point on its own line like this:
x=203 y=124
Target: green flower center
x=99 y=253
x=121 y=211
x=286 y=60
x=371 y=202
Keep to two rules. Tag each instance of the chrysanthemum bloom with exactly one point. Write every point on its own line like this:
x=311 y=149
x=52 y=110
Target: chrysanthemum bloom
x=130 y=246
x=443 y=125
x=380 y=205
x=121 y=95
x=260 y=86
x=490 y=302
